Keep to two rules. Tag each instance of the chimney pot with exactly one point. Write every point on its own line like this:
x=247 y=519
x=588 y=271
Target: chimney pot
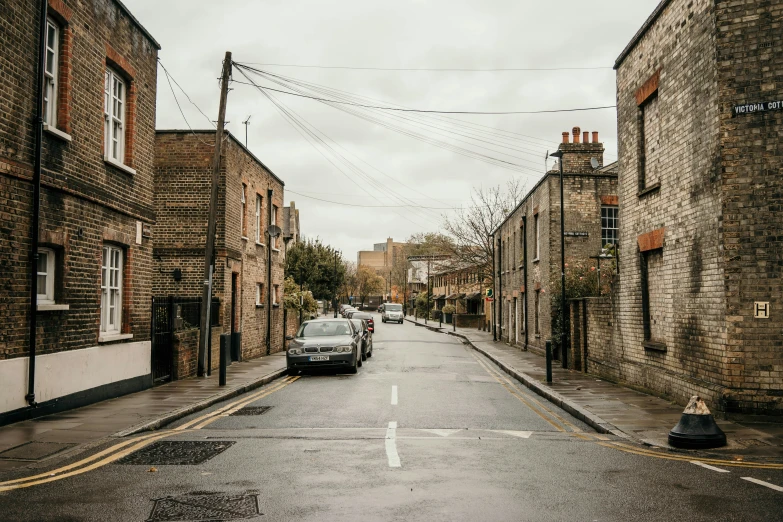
x=565 y=137
x=595 y=136
x=585 y=137
x=575 y=132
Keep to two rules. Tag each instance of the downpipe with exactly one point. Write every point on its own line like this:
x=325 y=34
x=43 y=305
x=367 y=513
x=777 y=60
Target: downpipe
x=39 y=122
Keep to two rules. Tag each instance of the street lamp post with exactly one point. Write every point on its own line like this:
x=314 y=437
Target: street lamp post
x=563 y=351
x=335 y=302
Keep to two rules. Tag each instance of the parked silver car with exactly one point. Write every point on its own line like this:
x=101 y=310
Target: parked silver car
x=325 y=343
x=392 y=312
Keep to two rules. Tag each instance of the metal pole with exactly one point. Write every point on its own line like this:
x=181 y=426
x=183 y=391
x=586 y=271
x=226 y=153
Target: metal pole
x=269 y=240
x=563 y=350
x=206 y=298
x=427 y=312
x=39 y=123
x=548 y=360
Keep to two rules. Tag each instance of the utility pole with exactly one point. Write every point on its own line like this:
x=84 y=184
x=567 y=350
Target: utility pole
x=246 y=123
x=206 y=297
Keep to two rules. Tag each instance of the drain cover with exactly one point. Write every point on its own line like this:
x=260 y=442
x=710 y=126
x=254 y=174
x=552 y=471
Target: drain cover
x=205 y=507
x=252 y=410
x=34 y=450
x=170 y=452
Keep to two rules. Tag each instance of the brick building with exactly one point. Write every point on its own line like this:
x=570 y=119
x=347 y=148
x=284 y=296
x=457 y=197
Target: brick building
x=291 y=231
x=250 y=198
x=527 y=243
x=383 y=257
x=96 y=210
x=464 y=289
x=697 y=303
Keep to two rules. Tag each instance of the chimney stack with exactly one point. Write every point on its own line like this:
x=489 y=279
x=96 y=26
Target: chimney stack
x=585 y=137
x=595 y=136
x=575 y=132
x=565 y=137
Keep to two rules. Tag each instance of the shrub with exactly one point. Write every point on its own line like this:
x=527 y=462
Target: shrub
x=449 y=309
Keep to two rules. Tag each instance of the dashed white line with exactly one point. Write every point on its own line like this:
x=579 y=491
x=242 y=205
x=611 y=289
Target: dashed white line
x=762 y=483
x=394 y=396
x=391 y=446
x=713 y=468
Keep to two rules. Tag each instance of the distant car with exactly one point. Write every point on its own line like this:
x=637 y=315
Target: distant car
x=325 y=343
x=365 y=336
x=392 y=312
x=352 y=311
x=344 y=311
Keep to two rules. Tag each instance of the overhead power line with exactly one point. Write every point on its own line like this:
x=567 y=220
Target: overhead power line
x=400 y=109
x=371 y=206
x=433 y=69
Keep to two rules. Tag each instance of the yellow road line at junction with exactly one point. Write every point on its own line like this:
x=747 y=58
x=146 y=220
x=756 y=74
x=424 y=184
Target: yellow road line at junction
x=112 y=454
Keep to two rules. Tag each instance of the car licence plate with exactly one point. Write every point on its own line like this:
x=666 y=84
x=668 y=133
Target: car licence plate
x=319 y=358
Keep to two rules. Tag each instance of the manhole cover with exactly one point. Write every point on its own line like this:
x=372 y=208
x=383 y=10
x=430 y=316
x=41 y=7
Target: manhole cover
x=205 y=507
x=34 y=450
x=252 y=410
x=170 y=452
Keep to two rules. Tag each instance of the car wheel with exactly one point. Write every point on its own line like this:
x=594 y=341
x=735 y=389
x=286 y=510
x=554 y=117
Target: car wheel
x=355 y=368
x=369 y=354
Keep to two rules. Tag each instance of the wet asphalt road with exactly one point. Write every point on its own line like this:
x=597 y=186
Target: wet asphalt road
x=461 y=443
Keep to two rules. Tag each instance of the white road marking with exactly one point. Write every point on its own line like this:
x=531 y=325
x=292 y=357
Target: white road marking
x=520 y=434
x=394 y=395
x=391 y=446
x=442 y=433
x=762 y=483
x=713 y=468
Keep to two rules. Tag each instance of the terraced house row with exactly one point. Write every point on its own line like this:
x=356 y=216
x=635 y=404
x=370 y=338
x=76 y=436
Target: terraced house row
x=97 y=241
x=696 y=305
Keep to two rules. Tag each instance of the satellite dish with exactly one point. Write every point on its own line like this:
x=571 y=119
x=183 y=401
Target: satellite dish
x=273 y=230
x=594 y=163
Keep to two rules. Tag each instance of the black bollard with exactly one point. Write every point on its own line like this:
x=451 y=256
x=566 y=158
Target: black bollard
x=225 y=342
x=549 y=361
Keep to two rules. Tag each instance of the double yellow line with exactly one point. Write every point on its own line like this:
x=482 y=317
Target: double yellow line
x=124 y=448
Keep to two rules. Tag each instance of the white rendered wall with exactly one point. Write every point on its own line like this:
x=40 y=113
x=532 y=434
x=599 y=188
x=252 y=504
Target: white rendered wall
x=63 y=373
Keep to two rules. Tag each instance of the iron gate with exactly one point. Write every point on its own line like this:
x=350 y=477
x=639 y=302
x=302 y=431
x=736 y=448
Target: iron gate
x=162 y=339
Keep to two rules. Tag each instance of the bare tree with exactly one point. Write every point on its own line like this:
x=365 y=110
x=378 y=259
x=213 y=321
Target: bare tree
x=470 y=229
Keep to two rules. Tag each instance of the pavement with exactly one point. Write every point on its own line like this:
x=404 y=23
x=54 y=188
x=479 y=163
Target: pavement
x=36 y=442
x=428 y=430
x=611 y=408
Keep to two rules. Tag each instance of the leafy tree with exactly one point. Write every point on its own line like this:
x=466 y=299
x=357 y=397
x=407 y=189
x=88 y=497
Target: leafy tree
x=368 y=283
x=315 y=267
x=296 y=300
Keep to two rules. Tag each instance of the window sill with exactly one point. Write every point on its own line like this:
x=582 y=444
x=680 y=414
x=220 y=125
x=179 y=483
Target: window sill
x=536 y=260
x=116 y=164
x=654 y=346
x=261 y=305
x=57 y=133
x=649 y=190
x=53 y=307
x=275 y=305
x=275 y=249
x=114 y=337
x=260 y=244
x=245 y=238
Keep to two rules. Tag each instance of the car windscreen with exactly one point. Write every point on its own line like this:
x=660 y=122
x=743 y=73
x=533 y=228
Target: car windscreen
x=324 y=329
x=358 y=324
x=393 y=307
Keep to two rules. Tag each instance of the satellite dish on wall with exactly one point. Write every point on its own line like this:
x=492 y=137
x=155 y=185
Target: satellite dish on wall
x=273 y=230
x=594 y=163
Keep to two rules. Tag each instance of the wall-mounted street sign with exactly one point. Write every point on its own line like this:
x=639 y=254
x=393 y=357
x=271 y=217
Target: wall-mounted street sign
x=752 y=108
x=761 y=310
x=576 y=234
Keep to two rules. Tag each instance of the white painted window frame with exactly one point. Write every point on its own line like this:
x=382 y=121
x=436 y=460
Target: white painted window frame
x=51 y=69
x=114 y=109
x=259 y=294
x=275 y=296
x=46 y=291
x=538 y=235
x=243 y=205
x=111 y=287
x=259 y=206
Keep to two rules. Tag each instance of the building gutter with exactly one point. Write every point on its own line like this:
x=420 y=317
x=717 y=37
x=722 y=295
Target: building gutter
x=38 y=129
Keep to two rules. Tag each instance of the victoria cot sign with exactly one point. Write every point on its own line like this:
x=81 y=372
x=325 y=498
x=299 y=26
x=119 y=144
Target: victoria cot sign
x=752 y=108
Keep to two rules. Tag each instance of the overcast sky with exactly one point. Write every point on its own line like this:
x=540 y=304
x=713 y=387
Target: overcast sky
x=394 y=168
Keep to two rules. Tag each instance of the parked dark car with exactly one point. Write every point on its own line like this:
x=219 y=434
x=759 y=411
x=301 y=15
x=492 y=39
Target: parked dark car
x=365 y=336
x=325 y=343
x=367 y=317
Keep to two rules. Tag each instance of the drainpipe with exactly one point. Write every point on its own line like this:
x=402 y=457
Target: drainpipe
x=524 y=273
x=499 y=293
x=269 y=240
x=39 y=122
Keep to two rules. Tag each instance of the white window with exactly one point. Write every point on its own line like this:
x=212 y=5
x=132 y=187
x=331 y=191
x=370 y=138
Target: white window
x=45 y=276
x=114 y=116
x=244 y=209
x=259 y=293
x=537 y=245
x=111 y=290
x=50 y=72
x=609 y=227
x=275 y=296
x=258 y=219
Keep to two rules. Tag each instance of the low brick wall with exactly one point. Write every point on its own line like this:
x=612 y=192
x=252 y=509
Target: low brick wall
x=185 y=353
x=468 y=320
